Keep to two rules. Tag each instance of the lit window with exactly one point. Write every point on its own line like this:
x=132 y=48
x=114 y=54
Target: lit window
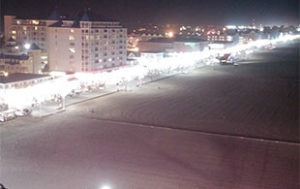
x=229 y=38
x=13 y=37
x=36 y=22
x=24 y=28
x=14 y=32
x=72 y=50
x=72 y=30
x=18 y=22
x=35 y=28
x=71 y=38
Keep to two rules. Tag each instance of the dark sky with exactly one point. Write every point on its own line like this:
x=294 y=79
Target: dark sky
x=130 y=12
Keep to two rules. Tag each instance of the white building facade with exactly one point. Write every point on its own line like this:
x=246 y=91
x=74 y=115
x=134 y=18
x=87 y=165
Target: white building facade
x=28 y=30
x=86 y=45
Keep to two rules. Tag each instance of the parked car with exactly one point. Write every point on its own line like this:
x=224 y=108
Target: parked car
x=23 y=112
x=7 y=115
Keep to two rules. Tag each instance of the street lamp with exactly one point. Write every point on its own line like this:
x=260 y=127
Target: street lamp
x=27 y=46
x=170 y=34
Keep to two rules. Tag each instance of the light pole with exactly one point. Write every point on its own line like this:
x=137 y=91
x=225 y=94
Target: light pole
x=63 y=103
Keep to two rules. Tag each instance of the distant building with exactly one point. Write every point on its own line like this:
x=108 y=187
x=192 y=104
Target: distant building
x=153 y=56
x=16 y=59
x=133 y=39
x=156 y=44
x=15 y=63
x=189 y=44
x=29 y=30
x=132 y=57
x=223 y=37
x=21 y=80
x=173 y=45
x=88 y=43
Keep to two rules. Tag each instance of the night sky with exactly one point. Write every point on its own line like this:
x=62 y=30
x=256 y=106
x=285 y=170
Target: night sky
x=132 y=12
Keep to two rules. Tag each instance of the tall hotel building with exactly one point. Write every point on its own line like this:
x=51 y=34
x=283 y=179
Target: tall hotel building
x=86 y=43
x=29 y=30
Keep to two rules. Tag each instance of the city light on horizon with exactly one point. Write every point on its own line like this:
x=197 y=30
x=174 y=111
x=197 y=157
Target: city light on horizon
x=27 y=46
x=170 y=34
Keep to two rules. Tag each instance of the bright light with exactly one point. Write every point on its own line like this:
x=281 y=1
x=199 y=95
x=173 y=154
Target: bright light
x=71 y=38
x=231 y=27
x=27 y=46
x=105 y=187
x=5 y=74
x=72 y=50
x=148 y=65
x=261 y=29
x=216 y=46
x=170 y=34
x=249 y=51
x=229 y=38
x=36 y=22
x=136 y=49
x=57 y=74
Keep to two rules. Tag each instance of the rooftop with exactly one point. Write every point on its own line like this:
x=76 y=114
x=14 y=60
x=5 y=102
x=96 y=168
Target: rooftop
x=14 y=56
x=15 y=77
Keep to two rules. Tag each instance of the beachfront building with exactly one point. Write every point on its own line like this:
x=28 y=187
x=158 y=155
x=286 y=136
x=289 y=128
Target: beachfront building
x=29 y=30
x=87 y=43
x=15 y=58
